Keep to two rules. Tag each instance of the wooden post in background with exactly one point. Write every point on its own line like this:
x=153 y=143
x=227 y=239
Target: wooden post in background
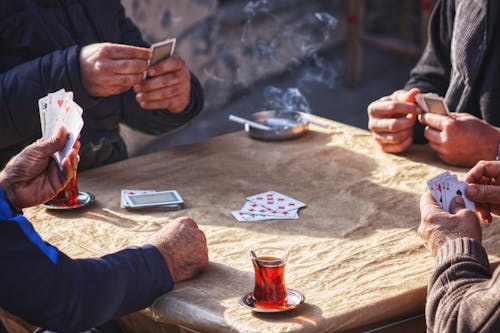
x=354 y=66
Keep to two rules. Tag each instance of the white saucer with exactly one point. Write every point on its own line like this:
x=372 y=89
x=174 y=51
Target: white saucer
x=84 y=198
x=294 y=299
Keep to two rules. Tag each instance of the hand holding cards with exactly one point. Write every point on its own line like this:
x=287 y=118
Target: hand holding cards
x=56 y=110
x=446 y=186
x=432 y=103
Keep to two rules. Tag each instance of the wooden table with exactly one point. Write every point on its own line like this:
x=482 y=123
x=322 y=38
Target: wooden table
x=354 y=251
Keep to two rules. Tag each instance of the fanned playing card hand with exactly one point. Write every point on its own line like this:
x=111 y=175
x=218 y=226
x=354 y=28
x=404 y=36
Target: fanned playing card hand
x=58 y=109
x=446 y=186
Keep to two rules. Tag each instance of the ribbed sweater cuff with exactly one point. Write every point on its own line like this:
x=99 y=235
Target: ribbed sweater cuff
x=461 y=247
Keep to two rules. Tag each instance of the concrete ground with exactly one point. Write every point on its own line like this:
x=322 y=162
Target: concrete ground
x=383 y=73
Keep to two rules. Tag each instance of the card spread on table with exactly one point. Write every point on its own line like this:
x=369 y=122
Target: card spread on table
x=446 y=186
x=59 y=110
x=269 y=205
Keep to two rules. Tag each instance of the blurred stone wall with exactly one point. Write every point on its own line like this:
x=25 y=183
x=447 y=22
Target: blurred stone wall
x=229 y=45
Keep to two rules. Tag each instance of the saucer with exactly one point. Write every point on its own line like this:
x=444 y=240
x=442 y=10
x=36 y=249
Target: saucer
x=84 y=198
x=294 y=297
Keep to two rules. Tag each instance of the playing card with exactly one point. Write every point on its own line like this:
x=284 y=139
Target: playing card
x=446 y=186
x=457 y=188
x=432 y=103
x=276 y=201
x=243 y=216
x=161 y=50
x=58 y=109
x=124 y=193
x=254 y=208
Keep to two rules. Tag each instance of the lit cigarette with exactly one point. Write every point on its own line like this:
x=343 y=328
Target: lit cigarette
x=249 y=123
x=320 y=124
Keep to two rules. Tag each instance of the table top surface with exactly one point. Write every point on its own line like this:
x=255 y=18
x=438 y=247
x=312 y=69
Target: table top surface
x=354 y=251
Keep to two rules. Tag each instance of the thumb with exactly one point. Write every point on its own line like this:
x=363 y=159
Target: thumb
x=483 y=193
x=55 y=143
x=456 y=204
x=410 y=95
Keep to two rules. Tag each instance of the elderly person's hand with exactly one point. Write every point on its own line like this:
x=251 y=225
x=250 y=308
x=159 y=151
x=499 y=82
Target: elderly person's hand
x=460 y=138
x=184 y=248
x=392 y=118
x=32 y=177
x=168 y=86
x=109 y=69
x=438 y=226
x=484 y=189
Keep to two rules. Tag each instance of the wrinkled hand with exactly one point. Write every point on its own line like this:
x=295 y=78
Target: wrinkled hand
x=438 y=226
x=168 y=86
x=110 y=69
x=484 y=189
x=183 y=247
x=32 y=177
x=460 y=138
x=392 y=118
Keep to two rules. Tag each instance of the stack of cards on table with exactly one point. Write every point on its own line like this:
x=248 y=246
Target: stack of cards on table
x=445 y=187
x=56 y=110
x=168 y=200
x=269 y=205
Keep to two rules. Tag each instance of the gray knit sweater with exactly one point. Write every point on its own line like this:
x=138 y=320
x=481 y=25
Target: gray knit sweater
x=463 y=296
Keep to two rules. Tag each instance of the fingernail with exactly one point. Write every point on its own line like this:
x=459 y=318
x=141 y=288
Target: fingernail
x=139 y=96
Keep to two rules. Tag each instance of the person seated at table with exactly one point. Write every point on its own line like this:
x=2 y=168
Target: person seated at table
x=94 y=50
x=49 y=289
x=461 y=62
x=463 y=294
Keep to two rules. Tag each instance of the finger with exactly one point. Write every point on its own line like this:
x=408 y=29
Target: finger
x=163 y=93
x=384 y=109
x=393 y=138
x=406 y=95
x=120 y=51
x=125 y=80
x=55 y=143
x=428 y=206
x=187 y=221
x=483 y=193
x=171 y=64
x=433 y=135
x=484 y=215
x=488 y=169
x=456 y=204
x=128 y=66
x=390 y=125
x=435 y=121
x=165 y=80
x=397 y=148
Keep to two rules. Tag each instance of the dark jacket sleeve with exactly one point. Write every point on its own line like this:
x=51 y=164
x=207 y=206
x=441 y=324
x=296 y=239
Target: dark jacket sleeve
x=47 y=288
x=154 y=121
x=462 y=294
x=432 y=72
x=22 y=86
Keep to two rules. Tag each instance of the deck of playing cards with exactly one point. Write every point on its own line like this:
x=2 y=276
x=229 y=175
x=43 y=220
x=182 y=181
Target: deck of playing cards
x=269 y=205
x=165 y=200
x=446 y=186
x=432 y=103
x=58 y=109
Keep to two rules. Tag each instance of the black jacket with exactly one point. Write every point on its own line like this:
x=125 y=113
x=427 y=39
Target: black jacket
x=461 y=60
x=40 y=42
